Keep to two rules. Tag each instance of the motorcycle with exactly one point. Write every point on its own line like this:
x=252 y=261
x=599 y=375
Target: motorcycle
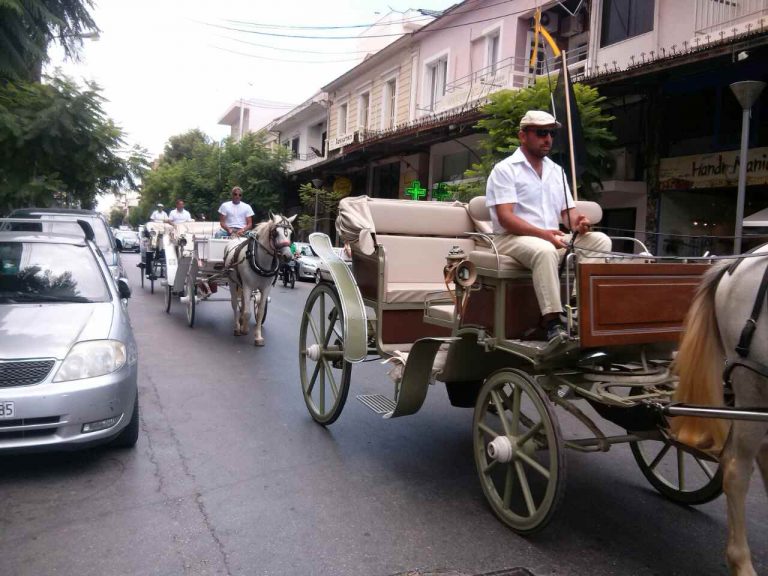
x=288 y=273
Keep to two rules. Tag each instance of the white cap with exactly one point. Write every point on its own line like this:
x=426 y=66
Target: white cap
x=538 y=118
x=159 y=205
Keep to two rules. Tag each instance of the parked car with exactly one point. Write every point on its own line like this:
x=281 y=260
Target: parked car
x=68 y=360
x=323 y=274
x=105 y=240
x=307 y=261
x=127 y=240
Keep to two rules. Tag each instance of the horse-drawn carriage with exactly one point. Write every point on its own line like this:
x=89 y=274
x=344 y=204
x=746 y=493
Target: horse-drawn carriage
x=151 y=247
x=474 y=326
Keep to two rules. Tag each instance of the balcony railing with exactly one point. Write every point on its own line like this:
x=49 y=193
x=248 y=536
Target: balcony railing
x=513 y=72
x=713 y=14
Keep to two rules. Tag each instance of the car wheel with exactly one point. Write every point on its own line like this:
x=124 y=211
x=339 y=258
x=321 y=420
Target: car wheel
x=130 y=434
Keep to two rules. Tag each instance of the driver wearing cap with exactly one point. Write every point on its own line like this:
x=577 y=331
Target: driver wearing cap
x=528 y=196
x=159 y=214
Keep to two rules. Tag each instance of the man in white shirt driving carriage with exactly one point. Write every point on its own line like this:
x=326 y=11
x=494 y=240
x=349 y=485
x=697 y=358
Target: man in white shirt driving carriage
x=179 y=215
x=528 y=195
x=235 y=216
x=159 y=214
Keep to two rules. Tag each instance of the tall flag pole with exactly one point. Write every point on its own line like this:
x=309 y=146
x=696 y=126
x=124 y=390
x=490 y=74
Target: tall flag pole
x=569 y=122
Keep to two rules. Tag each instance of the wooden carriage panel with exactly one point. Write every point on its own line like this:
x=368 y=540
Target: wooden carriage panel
x=634 y=303
x=522 y=310
x=400 y=326
x=365 y=269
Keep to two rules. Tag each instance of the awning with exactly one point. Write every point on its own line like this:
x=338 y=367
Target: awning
x=758 y=219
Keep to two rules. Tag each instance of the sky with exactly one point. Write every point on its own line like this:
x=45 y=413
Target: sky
x=168 y=66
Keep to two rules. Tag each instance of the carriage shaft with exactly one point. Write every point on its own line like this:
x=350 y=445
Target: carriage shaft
x=724 y=412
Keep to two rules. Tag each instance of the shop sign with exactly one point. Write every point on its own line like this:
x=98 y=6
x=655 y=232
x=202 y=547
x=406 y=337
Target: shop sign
x=720 y=169
x=335 y=143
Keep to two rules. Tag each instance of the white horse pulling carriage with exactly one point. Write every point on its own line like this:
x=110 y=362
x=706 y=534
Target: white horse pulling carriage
x=474 y=326
x=200 y=263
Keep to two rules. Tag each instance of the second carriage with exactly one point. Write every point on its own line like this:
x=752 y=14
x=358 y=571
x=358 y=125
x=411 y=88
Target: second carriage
x=194 y=258
x=477 y=332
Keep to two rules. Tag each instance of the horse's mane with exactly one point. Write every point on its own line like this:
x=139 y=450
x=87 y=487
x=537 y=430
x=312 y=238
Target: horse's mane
x=263 y=230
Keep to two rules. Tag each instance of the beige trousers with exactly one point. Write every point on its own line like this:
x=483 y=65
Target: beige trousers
x=542 y=258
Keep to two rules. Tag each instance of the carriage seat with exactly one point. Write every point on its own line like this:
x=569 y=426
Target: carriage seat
x=415 y=238
x=485 y=258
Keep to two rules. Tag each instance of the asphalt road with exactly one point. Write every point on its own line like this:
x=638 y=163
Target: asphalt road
x=231 y=476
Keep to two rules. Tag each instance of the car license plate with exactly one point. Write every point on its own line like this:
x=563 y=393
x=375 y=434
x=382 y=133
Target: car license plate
x=7 y=410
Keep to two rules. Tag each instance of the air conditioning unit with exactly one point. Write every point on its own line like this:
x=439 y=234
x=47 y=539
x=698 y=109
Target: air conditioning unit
x=571 y=26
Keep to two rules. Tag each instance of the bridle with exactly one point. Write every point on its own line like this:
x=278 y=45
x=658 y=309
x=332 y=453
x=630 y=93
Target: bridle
x=275 y=245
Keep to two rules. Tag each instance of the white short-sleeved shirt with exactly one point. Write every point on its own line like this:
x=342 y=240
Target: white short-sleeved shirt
x=158 y=216
x=235 y=214
x=176 y=217
x=538 y=201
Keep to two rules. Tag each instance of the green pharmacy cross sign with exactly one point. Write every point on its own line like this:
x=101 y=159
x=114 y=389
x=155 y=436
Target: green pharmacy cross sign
x=441 y=192
x=416 y=191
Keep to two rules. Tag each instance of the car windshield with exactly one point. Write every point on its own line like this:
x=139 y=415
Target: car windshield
x=307 y=251
x=55 y=223
x=43 y=272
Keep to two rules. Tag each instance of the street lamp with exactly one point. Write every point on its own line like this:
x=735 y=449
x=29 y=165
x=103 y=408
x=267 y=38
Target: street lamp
x=316 y=182
x=746 y=93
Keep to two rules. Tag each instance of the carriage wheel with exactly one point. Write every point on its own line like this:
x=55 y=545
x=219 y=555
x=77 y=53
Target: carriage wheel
x=324 y=372
x=191 y=291
x=682 y=474
x=519 y=451
x=168 y=298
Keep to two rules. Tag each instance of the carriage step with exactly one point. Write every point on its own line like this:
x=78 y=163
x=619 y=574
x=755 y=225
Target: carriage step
x=378 y=403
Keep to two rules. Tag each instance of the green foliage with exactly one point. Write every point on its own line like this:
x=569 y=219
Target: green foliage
x=56 y=141
x=27 y=27
x=116 y=217
x=327 y=202
x=502 y=123
x=202 y=173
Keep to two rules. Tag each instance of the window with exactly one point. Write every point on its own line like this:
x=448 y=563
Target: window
x=390 y=103
x=364 y=110
x=436 y=73
x=492 y=59
x=624 y=19
x=295 y=147
x=454 y=166
x=343 y=109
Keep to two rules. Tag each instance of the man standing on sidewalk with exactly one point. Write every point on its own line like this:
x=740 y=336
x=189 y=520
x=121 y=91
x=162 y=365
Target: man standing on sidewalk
x=528 y=197
x=235 y=216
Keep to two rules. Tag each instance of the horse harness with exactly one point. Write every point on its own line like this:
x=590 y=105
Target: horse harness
x=748 y=332
x=252 y=252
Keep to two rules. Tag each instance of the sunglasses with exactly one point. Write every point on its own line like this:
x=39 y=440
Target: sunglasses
x=544 y=132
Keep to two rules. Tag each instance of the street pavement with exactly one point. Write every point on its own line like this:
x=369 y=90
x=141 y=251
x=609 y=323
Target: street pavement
x=232 y=476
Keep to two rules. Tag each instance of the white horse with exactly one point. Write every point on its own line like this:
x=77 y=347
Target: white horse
x=721 y=316
x=252 y=263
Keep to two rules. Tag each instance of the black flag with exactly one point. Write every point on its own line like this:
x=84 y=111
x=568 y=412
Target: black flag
x=561 y=146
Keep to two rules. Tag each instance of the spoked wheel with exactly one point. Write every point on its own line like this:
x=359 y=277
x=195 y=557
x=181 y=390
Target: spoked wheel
x=519 y=451
x=168 y=297
x=682 y=474
x=324 y=372
x=191 y=291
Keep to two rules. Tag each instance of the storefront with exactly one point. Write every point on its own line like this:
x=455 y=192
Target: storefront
x=697 y=211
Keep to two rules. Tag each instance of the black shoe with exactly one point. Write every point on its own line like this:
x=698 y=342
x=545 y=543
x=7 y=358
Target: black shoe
x=556 y=330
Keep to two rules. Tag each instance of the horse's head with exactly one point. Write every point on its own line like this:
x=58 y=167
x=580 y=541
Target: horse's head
x=281 y=235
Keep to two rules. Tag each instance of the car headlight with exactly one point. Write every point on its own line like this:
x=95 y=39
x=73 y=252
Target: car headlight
x=91 y=359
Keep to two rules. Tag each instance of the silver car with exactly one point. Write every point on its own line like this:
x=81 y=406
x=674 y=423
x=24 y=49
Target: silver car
x=307 y=261
x=104 y=237
x=68 y=360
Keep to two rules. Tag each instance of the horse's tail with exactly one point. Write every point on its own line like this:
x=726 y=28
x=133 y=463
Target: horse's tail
x=699 y=363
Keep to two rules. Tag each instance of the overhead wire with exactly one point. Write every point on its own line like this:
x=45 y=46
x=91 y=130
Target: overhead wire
x=260 y=57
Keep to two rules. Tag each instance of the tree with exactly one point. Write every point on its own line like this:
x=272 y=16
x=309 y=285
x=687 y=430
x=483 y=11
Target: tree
x=116 y=216
x=203 y=172
x=502 y=122
x=27 y=27
x=324 y=200
x=56 y=141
